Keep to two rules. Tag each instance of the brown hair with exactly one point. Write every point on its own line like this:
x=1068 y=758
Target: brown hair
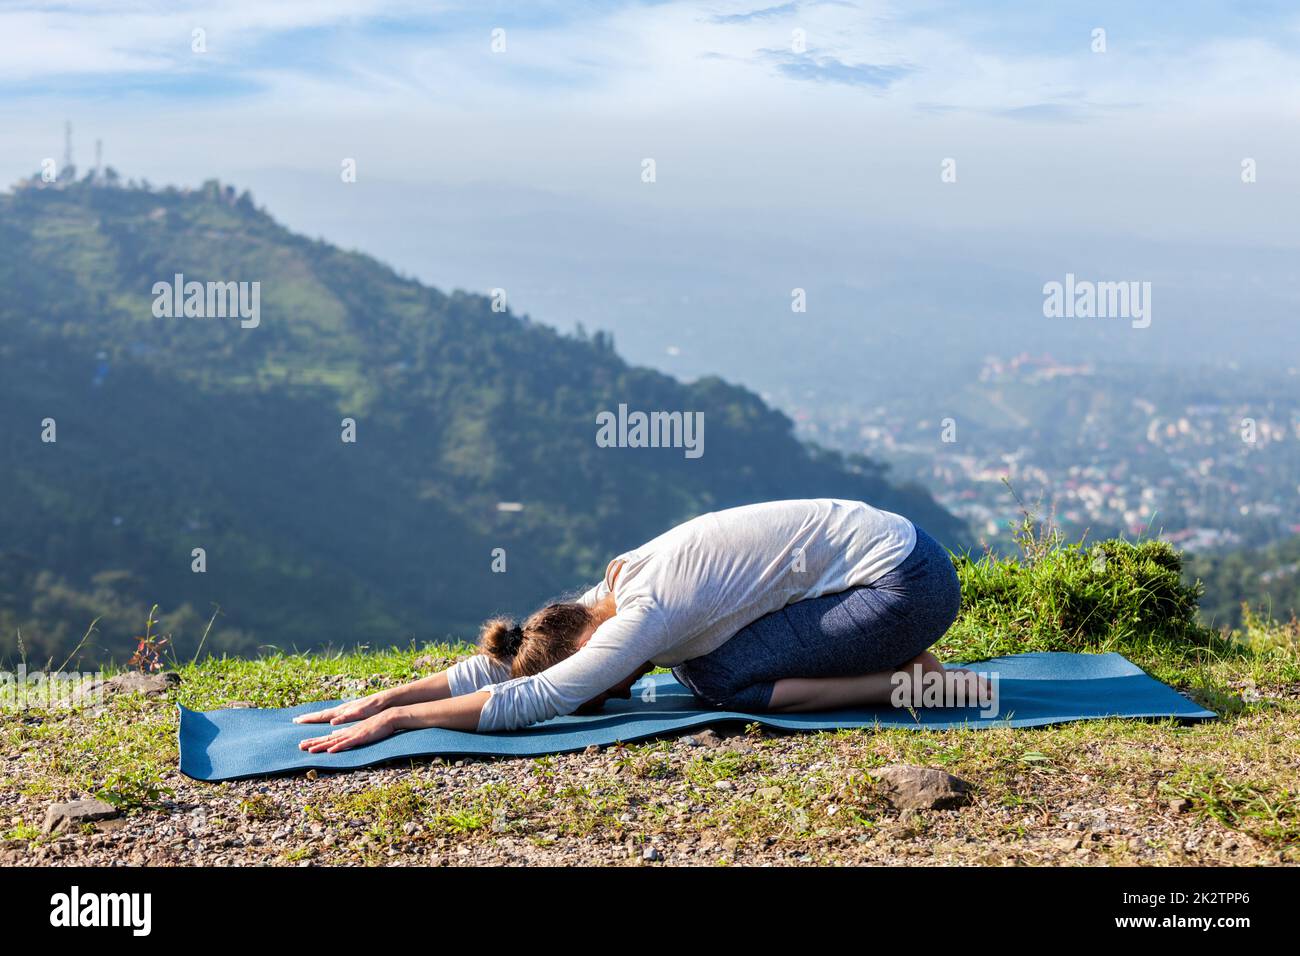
x=546 y=637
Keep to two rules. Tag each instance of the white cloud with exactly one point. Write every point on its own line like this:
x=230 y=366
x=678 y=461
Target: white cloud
x=1109 y=142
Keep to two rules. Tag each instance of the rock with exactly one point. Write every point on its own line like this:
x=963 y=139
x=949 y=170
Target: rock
x=769 y=794
x=708 y=738
x=724 y=785
x=592 y=750
x=61 y=817
x=651 y=855
x=921 y=788
x=134 y=682
x=131 y=682
x=1180 y=805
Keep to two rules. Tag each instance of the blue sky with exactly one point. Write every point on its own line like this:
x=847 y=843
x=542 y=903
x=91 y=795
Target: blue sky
x=294 y=72
x=130 y=46
x=778 y=163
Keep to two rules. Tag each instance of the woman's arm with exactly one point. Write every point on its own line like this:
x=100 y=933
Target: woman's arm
x=454 y=713
x=463 y=677
x=617 y=649
x=433 y=687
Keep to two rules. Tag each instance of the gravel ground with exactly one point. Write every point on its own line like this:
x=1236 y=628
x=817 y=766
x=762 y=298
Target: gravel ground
x=749 y=798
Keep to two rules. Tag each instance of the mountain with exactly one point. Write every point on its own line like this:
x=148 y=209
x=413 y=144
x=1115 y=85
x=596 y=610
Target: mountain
x=172 y=434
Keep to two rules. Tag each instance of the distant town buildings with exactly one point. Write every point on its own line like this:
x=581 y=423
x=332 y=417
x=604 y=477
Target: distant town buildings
x=1094 y=453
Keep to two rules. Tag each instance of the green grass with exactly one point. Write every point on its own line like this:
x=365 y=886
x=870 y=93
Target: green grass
x=809 y=792
x=1123 y=596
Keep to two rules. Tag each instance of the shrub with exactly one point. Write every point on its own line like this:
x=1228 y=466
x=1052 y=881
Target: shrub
x=1112 y=595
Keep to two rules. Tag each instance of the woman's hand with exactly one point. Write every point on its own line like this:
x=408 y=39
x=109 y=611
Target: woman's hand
x=346 y=713
x=374 y=728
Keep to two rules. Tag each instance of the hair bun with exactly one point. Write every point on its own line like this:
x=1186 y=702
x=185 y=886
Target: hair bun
x=501 y=638
x=514 y=637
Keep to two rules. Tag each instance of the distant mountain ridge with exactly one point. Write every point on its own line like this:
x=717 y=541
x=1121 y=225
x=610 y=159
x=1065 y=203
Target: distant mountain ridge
x=180 y=433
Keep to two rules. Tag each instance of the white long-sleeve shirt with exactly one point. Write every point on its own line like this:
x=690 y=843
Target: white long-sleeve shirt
x=688 y=591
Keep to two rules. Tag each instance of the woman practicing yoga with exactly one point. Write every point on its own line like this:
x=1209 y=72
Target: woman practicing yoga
x=782 y=606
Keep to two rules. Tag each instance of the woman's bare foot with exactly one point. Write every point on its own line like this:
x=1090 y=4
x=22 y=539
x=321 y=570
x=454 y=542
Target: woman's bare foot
x=793 y=694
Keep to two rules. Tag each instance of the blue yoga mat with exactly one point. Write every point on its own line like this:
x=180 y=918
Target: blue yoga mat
x=1034 y=689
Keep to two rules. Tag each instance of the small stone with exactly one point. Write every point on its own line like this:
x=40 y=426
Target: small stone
x=652 y=855
x=136 y=682
x=1066 y=843
x=1180 y=805
x=922 y=788
x=592 y=750
x=724 y=785
x=62 y=817
x=708 y=738
x=411 y=828
x=769 y=794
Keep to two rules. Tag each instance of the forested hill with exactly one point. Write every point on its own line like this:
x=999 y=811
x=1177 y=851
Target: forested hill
x=178 y=433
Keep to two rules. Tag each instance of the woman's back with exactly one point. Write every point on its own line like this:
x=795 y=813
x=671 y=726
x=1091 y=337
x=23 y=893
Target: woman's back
x=714 y=574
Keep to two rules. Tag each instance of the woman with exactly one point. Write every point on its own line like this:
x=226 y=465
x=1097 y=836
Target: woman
x=782 y=606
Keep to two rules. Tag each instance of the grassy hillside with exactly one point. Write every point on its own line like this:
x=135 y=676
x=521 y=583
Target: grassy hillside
x=183 y=433
x=1099 y=792
x=1270 y=576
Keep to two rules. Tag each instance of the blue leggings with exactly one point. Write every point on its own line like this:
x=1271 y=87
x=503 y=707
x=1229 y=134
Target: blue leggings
x=865 y=629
